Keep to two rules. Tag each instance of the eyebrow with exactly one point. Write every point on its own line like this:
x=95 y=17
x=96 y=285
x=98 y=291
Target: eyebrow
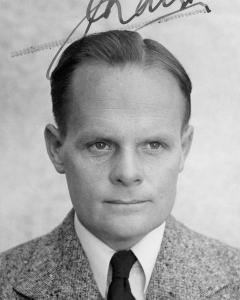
x=108 y=135
x=87 y=134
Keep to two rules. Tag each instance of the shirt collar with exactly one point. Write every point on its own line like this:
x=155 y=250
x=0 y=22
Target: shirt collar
x=147 y=249
x=99 y=254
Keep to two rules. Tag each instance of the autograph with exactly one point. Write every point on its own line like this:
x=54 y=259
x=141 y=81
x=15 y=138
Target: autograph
x=141 y=7
x=92 y=17
x=103 y=9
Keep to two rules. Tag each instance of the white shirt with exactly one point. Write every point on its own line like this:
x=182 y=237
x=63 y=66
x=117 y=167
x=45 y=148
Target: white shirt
x=99 y=255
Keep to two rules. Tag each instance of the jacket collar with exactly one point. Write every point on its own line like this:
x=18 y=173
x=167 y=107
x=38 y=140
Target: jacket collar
x=59 y=268
x=184 y=269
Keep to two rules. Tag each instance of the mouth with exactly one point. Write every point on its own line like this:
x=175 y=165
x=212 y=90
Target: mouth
x=126 y=202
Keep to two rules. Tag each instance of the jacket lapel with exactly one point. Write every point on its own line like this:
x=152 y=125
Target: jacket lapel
x=183 y=270
x=58 y=268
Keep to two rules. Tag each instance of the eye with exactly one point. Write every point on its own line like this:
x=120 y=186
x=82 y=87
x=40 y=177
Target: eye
x=154 y=145
x=100 y=146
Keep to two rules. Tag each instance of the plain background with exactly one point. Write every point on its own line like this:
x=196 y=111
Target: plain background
x=34 y=198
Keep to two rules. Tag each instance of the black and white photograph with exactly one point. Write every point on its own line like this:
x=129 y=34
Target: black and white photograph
x=120 y=138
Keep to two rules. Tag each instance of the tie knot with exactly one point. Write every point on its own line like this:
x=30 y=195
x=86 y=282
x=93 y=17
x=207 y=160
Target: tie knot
x=122 y=262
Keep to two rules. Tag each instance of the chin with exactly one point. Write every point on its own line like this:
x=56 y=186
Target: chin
x=128 y=232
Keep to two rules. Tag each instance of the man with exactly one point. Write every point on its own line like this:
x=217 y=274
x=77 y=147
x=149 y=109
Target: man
x=122 y=109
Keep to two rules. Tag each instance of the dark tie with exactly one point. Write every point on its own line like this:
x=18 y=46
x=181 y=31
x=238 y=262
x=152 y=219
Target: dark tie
x=121 y=262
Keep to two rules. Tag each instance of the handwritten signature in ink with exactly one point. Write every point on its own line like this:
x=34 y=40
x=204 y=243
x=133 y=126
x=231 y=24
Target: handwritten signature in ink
x=92 y=15
x=140 y=9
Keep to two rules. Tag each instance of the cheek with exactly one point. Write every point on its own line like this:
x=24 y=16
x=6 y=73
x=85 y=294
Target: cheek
x=165 y=185
x=164 y=172
x=83 y=177
x=83 y=186
x=165 y=191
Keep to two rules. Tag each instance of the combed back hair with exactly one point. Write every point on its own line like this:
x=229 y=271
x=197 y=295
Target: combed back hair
x=113 y=48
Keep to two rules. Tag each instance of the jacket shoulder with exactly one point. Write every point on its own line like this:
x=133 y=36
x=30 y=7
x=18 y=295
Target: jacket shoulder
x=211 y=253
x=16 y=259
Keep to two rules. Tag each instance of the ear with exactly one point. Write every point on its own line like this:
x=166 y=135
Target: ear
x=187 y=137
x=54 y=144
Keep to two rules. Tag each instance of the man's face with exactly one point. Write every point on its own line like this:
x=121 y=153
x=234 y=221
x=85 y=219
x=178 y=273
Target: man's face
x=123 y=150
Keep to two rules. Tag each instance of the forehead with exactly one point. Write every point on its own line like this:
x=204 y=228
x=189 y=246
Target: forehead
x=104 y=95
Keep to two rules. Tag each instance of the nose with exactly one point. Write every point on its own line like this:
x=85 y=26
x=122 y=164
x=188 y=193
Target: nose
x=126 y=169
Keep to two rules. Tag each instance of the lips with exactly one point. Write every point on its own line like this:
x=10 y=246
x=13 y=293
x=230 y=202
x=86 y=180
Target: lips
x=125 y=202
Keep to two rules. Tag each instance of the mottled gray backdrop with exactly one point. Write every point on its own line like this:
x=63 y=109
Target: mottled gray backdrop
x=34 y=198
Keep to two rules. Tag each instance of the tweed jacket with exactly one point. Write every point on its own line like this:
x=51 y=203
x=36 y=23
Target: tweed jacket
x=189 y=266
